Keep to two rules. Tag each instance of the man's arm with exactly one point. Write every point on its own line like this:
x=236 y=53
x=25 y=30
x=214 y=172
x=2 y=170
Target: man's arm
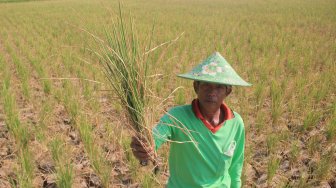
x=236 y=167
x=162 y=132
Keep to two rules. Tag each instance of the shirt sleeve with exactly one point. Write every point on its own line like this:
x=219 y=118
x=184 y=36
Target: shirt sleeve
x=236 y=166
x=162 y=132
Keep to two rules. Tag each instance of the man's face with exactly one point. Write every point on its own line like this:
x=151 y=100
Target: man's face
x=210 y=93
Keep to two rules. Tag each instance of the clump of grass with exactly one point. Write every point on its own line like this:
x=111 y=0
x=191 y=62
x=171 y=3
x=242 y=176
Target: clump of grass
x=71 y=105
x=272 y=167
x=43 y=120
x=23 y=74
x=276 y=97
x=131 y=160
x=65 y=177
x=21 y=136
x=312 y=146
x=180 y=98
x=331 y=129
x=41 y=73
x=5 y=73
x=260 y=121
x=259 y=95
x=98 y=162
x=323 y=170
x=311 y=120
x=64 y=169
x=127 y=69
x=125 y=61
x=303 y=182
x=271 y=142
x=294 y=152
x=148 y=181
x=27 y=168
x=12 y=119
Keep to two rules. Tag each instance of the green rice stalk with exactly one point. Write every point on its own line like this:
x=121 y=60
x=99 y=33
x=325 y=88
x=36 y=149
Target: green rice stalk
x=125 y=63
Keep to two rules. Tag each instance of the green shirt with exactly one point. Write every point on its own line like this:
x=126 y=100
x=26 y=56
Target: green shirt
x=198 y=157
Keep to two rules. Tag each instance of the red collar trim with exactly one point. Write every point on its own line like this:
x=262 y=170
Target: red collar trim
x=227 y=115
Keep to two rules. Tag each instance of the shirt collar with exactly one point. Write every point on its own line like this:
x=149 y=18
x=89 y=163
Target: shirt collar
x=228 y=114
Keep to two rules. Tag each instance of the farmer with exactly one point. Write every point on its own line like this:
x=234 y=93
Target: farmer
x=206 y=137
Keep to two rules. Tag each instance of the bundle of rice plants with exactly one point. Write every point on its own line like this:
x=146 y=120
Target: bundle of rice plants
x=125 y=61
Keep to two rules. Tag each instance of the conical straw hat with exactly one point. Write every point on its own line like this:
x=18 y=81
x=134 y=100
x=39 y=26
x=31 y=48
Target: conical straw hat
x=215 y=69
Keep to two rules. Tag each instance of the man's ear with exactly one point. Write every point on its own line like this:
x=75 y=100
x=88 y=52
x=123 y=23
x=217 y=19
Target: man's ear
x=228 y=90
x=196 y=83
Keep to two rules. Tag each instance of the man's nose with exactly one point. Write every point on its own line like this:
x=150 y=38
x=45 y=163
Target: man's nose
x=212 y=89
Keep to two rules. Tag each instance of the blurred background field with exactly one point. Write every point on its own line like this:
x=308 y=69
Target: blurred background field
x=59 y=125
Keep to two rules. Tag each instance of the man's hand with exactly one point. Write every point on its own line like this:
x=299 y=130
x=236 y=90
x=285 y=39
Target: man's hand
x=141 y=150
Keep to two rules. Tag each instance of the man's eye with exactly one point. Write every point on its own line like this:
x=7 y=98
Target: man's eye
x=205 y=84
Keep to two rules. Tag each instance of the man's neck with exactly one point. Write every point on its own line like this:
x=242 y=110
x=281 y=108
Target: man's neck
x=213 y=115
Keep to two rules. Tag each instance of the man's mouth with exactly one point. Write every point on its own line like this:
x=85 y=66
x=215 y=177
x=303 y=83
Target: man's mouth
x=211 y=99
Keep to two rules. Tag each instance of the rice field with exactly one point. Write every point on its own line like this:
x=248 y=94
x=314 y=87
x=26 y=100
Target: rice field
x=60 y=125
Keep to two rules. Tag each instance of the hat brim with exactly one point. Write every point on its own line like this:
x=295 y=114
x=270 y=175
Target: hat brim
x=236 y=83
